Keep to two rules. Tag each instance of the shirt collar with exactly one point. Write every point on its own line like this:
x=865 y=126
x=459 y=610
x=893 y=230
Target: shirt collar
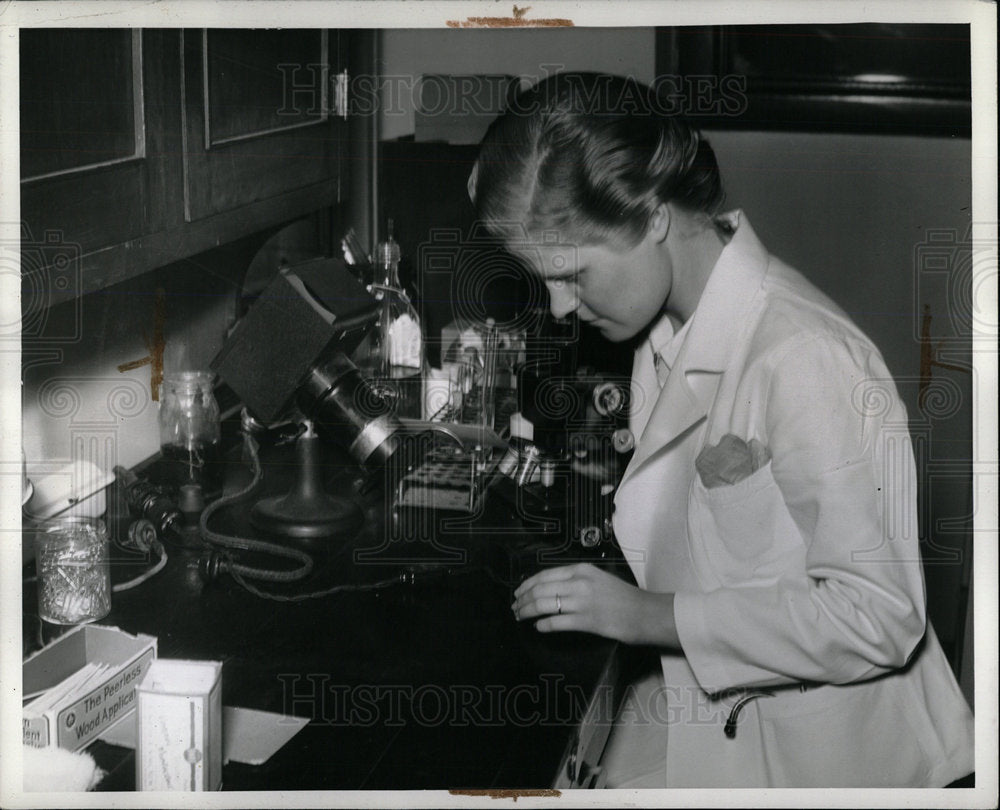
x=726 y=300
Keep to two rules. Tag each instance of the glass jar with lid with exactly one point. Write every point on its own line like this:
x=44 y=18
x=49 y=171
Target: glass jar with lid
x=74 y=576
x=190 y=430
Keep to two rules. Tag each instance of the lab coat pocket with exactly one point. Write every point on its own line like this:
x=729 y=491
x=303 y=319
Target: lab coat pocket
x=742 y=534
x=838 y=737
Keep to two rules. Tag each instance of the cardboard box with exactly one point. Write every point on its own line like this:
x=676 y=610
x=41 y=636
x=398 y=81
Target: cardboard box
x=81 y=718
x=179 y=734
x=77 y=489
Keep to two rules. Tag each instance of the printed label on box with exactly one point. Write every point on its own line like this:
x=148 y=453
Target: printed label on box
x=82 y=684
x=103 y=707
x=36 y=731
x=175 y=732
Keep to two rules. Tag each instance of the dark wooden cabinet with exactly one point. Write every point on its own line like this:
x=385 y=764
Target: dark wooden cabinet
x=261 y=116
x=90 y=122
x=81 y=103
x=143 y=147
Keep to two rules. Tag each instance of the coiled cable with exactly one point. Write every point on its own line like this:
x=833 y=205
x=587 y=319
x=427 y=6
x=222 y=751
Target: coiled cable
x=218 y=562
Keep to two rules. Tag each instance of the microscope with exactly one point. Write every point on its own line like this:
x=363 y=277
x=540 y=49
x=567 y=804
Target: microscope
x=288 y=358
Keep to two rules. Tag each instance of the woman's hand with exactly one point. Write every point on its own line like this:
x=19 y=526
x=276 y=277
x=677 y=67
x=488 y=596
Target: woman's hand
x=585 y=598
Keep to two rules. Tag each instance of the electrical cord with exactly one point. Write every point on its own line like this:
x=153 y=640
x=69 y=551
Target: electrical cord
x=142 y=538
x=215 y=563
x=152 y=572
x=301 y=597
x=409 y=576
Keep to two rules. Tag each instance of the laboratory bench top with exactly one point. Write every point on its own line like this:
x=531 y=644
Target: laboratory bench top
x=423 y=683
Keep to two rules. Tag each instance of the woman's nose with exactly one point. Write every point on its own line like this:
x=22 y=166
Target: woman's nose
x=563 y=299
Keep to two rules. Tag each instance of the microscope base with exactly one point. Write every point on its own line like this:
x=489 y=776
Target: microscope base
x=319 y=515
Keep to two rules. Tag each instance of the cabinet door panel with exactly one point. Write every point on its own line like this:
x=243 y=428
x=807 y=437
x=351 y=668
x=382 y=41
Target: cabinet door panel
x=249 y=134
x=104 y=210
x=86 y=180
x=264 y=81
x=81 y=98
x=145 y=158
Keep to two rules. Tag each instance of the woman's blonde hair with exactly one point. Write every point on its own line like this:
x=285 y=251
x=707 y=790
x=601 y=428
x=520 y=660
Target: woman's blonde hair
x=590 y=156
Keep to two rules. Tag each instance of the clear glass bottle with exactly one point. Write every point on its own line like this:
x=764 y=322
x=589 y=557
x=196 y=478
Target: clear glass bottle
x=392 y=356
x=190 y=430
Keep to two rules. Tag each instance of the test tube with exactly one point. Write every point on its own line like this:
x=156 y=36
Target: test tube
x=488 y=404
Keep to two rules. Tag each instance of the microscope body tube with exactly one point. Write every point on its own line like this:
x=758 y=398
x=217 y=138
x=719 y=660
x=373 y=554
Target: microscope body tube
x=346 y=409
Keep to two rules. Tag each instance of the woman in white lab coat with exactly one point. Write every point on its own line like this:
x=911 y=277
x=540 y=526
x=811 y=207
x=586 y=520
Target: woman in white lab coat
x=769 y=510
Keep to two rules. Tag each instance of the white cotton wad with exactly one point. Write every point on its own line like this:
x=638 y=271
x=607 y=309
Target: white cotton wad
x=405 y=342
x=51 y=770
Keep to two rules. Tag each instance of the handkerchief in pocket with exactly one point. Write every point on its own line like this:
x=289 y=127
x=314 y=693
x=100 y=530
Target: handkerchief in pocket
x=730 y=461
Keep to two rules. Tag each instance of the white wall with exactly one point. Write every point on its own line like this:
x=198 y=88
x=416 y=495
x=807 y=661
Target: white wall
x=76 y=402
x=528 y=53
x=851 y=211
x=78 y=405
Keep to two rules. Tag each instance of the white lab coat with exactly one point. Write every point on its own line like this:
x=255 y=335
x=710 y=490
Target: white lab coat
x=804 y=578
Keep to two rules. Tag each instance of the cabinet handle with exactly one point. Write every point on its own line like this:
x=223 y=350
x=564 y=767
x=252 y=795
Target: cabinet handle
x=340 y=94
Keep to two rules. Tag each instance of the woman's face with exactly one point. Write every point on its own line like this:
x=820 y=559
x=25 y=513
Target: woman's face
x=617 y=290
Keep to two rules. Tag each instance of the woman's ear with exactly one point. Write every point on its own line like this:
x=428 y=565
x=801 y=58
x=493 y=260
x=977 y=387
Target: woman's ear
x=659 y=223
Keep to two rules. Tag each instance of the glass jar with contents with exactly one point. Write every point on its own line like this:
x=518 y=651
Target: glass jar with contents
x=189 y=430
x=74 y=575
